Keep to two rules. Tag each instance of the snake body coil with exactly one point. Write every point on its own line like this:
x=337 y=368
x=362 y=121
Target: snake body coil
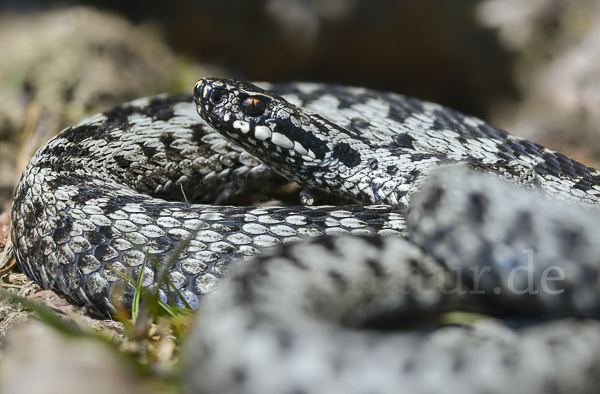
x=287 y=321
x=91 y=203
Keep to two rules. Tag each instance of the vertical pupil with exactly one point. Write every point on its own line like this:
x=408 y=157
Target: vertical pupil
x=253 y=106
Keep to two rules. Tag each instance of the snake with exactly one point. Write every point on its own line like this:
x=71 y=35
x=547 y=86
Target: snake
x=342 y=292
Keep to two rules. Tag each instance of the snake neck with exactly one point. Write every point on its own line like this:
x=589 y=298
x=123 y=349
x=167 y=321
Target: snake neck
x=307 y=148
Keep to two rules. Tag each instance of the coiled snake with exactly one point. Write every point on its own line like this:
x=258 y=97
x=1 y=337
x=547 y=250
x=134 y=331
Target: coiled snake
x=92 y=202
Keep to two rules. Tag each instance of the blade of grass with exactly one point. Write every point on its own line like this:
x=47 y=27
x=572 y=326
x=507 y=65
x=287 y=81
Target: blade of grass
x=135 y=305
x=177 y=292
x=147 y=302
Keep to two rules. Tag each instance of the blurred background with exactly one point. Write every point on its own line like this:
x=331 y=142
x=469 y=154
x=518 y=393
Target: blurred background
x=531 y=67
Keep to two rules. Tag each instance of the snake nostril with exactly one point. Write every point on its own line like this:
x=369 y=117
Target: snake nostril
x=205 y=92
x=217 y=95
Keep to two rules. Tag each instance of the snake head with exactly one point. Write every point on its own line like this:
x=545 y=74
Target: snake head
x=262 y=123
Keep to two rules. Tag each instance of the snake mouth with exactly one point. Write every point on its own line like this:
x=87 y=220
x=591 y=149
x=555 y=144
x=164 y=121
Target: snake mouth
x=214 y=99
x=205 y=95
x=255 y=126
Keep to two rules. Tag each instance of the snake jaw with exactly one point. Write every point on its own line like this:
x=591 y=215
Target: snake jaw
x=261 y=123
x=282 y=130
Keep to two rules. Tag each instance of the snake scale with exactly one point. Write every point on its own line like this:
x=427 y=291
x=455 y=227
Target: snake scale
x=351 y=301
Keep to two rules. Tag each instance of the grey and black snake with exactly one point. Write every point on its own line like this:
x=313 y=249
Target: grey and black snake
x=356 y=307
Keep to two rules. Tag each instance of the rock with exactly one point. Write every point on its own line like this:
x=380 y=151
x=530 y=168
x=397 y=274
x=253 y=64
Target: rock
x=38 y=359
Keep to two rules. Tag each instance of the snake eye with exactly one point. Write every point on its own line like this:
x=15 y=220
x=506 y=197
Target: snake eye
x=217 y=96
x=254 y=106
